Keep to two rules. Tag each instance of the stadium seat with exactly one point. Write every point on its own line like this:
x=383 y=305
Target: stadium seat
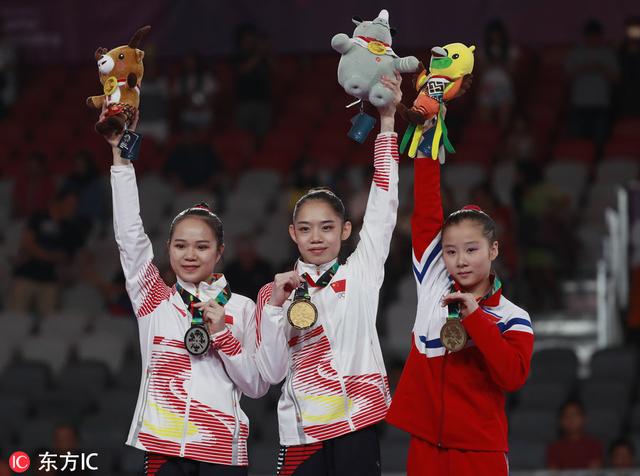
x=543 y=395
x=614 y=363
x=87 y=377
x=605 y=425
x=526 y=455
x=107 y=348
x=599 y=394
x=52 y=352
x=554 y=365
x=25 y=378
x=533 y=425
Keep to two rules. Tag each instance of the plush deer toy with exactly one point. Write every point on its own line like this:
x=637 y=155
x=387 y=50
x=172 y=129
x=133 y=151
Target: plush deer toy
x=120 y=72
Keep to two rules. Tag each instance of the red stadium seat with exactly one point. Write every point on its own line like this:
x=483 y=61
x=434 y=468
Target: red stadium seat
x=579 y=150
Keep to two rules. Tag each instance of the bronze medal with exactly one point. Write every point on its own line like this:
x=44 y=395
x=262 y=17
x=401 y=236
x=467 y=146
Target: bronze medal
x=302 y=314
x=197 y=340
x=453 y=335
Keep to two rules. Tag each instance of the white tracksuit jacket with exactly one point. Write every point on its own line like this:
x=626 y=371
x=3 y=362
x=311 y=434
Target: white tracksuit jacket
x=336 y=382
x=187 y=406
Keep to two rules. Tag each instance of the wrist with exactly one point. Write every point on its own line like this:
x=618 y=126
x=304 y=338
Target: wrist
x=387 y=123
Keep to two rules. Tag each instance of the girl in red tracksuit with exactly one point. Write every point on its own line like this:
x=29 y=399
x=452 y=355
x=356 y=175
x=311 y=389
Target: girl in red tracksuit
x=451 y=399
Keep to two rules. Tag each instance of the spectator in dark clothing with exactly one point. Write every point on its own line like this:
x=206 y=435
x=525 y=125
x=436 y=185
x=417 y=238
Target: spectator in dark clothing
x=248 y=271
x=252 y=71
x=593 y=70
x=90 y=188
x=193 y=164
x=33 y=188
x=575 y=449
x=622 y=455
x=49 y=241
x=628 y=91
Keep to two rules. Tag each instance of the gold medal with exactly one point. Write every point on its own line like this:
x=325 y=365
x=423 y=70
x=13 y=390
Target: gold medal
x=302 y=314
x=453 y=335
x=377 y=48
x=110 y=85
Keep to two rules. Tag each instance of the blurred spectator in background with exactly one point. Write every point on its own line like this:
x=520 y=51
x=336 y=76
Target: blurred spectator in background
x=252 y=80
x=65 y=438
x=248 y=271
x=593 y=69
x=193 y=164
x=34 y=188
x=112 y=290
x=193 y=91
x=154 y=103
x=8 y=72
x=622 y=455
x=629 y=91
x=519 y=144
x=4 y=468
x=484 y=196
x=49 y=241
x=546 y=240
x=90 y=187
x=497 y=60
x=575 y=449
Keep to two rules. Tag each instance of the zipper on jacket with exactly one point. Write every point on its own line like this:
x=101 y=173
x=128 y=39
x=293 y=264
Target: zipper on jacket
x=345 y=398
x=299 y=422
x=236 y=431
x=186 y=417
x=442 y=381
x=145 y=395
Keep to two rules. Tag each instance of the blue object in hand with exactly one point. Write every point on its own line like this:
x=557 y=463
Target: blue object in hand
x=362 y=124
x=427 y=140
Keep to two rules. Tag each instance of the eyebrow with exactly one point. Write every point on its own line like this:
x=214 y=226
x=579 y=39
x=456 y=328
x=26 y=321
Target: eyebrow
x=309 y=223
x=199 y=241
x=466 y=243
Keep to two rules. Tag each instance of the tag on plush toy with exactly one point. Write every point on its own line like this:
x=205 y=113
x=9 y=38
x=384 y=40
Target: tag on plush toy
x=129 y=145
x=362 y=124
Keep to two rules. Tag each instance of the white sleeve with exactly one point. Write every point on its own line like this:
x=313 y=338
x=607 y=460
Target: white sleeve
x=145 y=287
x=272 y=354
x=380 y=216
x=238 y=354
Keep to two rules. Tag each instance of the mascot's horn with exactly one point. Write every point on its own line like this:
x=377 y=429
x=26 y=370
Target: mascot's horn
x=135 y=40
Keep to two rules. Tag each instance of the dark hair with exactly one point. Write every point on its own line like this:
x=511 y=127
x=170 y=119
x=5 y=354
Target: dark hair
x=325 y=195
x=592 y=27
x=572 y=402
x=203 y=211
x=622 y=442
x=473 y=213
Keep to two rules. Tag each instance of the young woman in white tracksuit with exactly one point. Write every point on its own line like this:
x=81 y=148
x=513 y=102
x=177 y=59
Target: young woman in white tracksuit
x=336 y=387
x=188 y=417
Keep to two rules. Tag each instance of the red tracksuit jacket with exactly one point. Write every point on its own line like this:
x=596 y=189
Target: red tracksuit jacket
x=456 y=400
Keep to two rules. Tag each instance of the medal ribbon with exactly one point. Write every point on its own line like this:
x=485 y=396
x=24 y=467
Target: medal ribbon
x=453 y=308
x=323 y=280
x=302 y=292
x=189 y=299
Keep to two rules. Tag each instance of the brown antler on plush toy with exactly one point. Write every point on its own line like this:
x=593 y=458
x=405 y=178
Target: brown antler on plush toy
x=120 y=71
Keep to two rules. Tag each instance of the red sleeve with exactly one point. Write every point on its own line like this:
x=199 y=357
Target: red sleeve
x=508 y=355
x=427 y=218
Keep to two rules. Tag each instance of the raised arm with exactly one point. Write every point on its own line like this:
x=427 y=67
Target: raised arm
x=382 y=206
x=426 y=220
x=145 y=287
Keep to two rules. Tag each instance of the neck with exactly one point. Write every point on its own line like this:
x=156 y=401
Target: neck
x=481 y=289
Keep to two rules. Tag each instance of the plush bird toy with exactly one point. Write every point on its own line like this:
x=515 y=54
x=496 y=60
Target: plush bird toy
x=120 y=71
x=447 y=71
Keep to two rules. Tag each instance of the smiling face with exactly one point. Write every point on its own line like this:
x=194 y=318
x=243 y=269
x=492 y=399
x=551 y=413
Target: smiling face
x=194 y=250
x=318 y=231
x=468 y=255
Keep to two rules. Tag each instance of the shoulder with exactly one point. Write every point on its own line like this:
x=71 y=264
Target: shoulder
x=264 y=294
x=241 y=300
x=508 y=309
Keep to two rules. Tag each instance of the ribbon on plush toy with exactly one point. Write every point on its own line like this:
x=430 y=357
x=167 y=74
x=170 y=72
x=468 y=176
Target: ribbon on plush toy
x=414 y=134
